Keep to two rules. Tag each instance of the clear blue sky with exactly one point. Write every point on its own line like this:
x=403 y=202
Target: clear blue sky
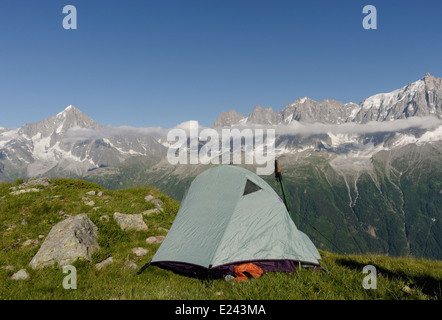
x=159 y=63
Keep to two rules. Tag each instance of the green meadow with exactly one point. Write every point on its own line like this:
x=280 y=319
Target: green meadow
x=26 y=219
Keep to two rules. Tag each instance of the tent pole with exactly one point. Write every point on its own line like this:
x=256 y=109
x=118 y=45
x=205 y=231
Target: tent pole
x=278 y=177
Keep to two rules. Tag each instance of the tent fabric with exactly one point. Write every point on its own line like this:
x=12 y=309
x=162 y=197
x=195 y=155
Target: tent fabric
x=219 y=226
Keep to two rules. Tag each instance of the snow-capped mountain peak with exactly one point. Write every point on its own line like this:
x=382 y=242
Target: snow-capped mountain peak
x=69 y=142
x=59 y=124
x=420 y=98
x=391 y=98
x=66 y=111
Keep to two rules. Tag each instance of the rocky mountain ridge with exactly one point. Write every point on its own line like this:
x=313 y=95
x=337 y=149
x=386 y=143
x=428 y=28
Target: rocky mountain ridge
x=421 y=98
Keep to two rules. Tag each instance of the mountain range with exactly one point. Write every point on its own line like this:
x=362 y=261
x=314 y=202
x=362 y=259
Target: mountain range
x=418 y=99
x=361 y=177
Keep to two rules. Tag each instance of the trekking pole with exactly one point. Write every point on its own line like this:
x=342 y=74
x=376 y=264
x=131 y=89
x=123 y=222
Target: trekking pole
x=278 y=177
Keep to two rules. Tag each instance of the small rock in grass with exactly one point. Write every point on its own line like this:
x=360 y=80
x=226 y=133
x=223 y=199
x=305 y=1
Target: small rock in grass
x=131 y=265
x=139 y=252
x=20 y=275
x=130 y=222
x=157 y=239
x=29 y=242
x=149 y=212
x=148 y=198
x=104 y=263
x=407 y=290
x=158 y=203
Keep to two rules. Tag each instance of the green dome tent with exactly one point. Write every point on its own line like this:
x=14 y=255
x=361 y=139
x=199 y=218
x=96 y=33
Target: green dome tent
x=231 y=216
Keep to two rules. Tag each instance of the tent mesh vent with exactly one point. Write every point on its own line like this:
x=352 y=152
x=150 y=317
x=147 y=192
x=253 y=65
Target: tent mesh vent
x=250 y=188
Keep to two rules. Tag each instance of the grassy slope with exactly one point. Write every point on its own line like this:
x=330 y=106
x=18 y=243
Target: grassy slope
x=29 y=215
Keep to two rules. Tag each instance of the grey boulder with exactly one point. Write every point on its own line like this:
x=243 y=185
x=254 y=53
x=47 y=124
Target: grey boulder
x=72 y=239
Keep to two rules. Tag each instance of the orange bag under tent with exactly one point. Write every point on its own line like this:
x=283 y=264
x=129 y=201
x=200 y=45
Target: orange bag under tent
x=249 y=268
